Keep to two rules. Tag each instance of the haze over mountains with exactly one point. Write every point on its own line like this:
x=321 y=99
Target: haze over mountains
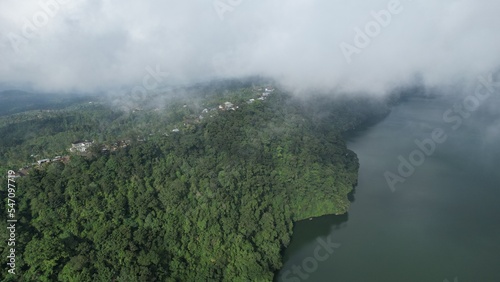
x=113 y=46
x=158 y=140
x=16 y=101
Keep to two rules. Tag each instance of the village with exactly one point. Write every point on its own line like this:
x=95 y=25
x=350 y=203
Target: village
x=82 y=147
x=225 y=106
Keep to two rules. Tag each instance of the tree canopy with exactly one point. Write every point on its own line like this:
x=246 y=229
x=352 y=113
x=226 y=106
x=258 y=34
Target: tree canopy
x=213 y=202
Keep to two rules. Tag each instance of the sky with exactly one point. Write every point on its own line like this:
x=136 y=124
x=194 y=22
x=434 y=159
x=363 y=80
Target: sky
x=369 y=46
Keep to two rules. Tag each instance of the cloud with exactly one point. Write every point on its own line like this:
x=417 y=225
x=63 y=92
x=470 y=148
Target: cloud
x=90 y=46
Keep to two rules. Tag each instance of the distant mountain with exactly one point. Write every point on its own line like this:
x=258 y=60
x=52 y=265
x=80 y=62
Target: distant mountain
x=16 y=101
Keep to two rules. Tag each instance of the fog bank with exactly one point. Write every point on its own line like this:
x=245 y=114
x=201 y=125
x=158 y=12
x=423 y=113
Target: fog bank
x=358 y=46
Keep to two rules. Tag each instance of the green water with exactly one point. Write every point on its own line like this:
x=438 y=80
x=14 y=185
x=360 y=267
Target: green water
x=442 y=223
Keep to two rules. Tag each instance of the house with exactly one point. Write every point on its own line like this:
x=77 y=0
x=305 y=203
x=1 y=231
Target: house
x=269 y=89
x=228 y=106
x=80 y=146
x=175 y=130
x=40 y=162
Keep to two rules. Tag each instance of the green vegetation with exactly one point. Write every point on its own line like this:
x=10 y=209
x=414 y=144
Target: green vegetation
x=213 y=202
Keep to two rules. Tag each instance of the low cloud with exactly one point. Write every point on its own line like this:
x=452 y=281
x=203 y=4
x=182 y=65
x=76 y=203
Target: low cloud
x=106 y=46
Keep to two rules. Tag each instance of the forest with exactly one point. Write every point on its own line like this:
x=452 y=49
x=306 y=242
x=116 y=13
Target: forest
x=214 y=200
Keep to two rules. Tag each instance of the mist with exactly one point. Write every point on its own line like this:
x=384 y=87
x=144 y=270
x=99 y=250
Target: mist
x=364 y=46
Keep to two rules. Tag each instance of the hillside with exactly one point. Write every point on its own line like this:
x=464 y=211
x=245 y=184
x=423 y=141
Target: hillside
x=211 y=198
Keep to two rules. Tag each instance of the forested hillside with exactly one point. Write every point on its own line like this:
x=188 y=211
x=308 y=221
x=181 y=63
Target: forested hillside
x=214 y=200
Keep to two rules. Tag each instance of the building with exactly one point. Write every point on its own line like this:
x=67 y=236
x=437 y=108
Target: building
x=40 y=162
x=228 y=106
x=80 y=146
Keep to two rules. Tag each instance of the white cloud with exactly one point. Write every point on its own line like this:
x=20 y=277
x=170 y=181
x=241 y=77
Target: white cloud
x=106 y=45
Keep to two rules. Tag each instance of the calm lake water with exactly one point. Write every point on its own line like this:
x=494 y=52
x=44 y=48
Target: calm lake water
x=442 y=223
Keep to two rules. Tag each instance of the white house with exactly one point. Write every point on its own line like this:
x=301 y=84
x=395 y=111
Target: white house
x=43 y=161
x=81 y=146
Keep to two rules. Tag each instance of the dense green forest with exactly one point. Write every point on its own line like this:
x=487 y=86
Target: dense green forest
x=215 y=201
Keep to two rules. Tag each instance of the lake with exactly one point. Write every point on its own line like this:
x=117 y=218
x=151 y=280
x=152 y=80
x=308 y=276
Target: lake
x=441 y=224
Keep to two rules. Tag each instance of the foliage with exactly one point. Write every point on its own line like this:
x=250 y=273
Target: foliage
x=215 y=202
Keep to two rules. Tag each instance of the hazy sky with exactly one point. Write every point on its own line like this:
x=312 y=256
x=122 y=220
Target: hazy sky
x=105 y=45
